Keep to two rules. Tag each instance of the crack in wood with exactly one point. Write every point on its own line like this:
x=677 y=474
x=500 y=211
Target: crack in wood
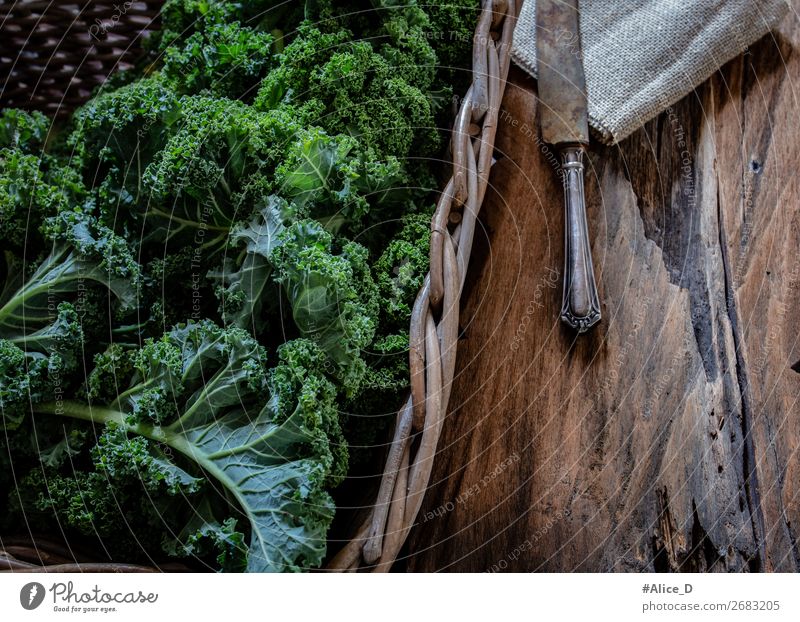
x=748 y=447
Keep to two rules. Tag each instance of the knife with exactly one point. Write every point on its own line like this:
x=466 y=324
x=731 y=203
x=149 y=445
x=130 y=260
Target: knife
x=564 y=124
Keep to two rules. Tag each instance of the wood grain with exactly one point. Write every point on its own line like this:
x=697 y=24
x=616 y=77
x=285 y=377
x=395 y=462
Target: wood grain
x=666 y=439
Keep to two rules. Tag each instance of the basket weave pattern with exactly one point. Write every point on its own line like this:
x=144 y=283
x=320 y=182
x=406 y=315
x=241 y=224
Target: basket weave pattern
x=52 y=54
x=434 y=320
x=54 y=72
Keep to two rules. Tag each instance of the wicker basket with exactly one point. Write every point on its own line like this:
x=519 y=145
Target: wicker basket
x=70 y=48
x=53 y=54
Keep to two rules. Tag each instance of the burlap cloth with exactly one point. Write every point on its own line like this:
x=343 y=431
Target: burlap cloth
x=641 y=56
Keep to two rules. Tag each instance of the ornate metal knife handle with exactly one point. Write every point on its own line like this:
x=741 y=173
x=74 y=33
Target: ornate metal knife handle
x=581 y=305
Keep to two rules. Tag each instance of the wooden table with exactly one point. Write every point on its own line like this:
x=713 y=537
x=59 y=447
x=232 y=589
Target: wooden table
x=667 y=438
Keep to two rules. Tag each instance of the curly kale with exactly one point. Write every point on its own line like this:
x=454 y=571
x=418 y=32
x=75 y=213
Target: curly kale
x=242 y=283
x=270 y=439
x=117 y=129
x=32 y=189
x=213 y=146
x=332 y=296
x=374 y=407
x=181 y=19
x=401 y=269
x=26 y=131
x=131 y=487
x=228 y=60
x=363 y=93
x=452 y=28
x=124 y=467
x=41 y=316
x=34 y=183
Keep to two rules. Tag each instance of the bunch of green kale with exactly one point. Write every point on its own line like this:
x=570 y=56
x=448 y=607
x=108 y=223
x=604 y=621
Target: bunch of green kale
x=209 y=273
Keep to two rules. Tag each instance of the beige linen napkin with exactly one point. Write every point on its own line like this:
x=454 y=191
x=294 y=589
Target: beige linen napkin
x=641 y=56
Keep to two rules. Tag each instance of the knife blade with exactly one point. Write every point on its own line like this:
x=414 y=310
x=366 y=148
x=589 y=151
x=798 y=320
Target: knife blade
x=564 y=123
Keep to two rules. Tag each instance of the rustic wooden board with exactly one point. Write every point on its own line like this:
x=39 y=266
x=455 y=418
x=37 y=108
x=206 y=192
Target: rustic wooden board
x=667 y=438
